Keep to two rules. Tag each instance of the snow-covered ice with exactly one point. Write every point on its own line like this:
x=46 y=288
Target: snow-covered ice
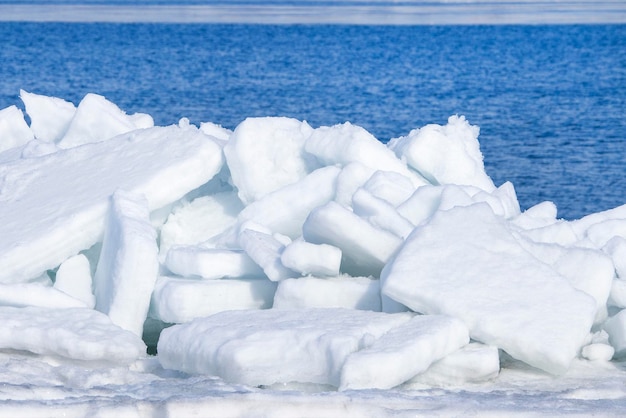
x=282 y=269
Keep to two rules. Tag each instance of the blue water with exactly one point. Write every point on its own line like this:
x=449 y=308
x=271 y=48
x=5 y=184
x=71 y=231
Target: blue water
x=550 y=100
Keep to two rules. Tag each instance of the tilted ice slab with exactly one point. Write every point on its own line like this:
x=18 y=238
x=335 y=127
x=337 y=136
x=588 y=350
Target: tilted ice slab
x=128 y=264
x=465 y=263
x=273 y=346
x=14 y=131
x=403 y=352
x=65 y=195
x=77 y=333
x=49 y=116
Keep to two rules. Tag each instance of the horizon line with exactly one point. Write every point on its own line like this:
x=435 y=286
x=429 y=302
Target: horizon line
x=460 y=13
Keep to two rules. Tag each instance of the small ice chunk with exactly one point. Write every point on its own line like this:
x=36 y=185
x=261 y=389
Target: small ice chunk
x=128 y=264
x=598 y=352
x=49 y=116
x=285 y=210
x=447 y=154
x=472 y=363
x=74 y=278
x=36 y=294
x=96 y=119
x=265 y=154
x=403 y=352
x=65 y=195
x=181 y=300
x=200 y=220
x=329 y=292
x=210 y=263
x=275 y=345
x=14 y=131
x=347 y=143
x=76 y=333
x=616 y=328
x=313 y=259
x=265 y=250
x=538 y=216
x=380 y=213
x=466 y=263
x=216 y=131
x=364 y=247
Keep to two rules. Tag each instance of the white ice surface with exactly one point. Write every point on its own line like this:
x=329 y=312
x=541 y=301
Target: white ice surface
x=37 y=294
x=65 y=195
x=128 y=265
x=177 y=300
x=465 y=263
x=273 y=346
x=329 y=292
x=616 y=328
x=266 y=250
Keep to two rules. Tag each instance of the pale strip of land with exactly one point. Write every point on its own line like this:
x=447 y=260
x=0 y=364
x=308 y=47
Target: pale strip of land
x=458 y=13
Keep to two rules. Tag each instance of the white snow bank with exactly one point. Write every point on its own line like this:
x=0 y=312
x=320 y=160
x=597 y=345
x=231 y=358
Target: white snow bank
x=78 y=333
x=65 y=196
x=177 y=300
x=465 y=263
x=403 y=352
x=273 y=346
x=128 y=264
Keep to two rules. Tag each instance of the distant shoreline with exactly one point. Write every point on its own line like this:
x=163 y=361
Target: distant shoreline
x=529 y=12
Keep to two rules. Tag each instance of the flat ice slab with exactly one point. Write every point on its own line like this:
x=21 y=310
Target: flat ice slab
x=178 y=300
x=465 y=263
x=273 y=346
x=65 y=195
x=77 y=333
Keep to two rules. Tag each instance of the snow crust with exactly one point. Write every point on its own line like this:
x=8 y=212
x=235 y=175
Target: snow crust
x=285 y=256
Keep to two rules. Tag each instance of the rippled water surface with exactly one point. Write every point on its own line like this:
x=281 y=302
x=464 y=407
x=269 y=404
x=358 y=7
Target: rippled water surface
x=550 y=100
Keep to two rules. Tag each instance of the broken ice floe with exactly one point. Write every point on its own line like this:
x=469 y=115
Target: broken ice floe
x=280 y=252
